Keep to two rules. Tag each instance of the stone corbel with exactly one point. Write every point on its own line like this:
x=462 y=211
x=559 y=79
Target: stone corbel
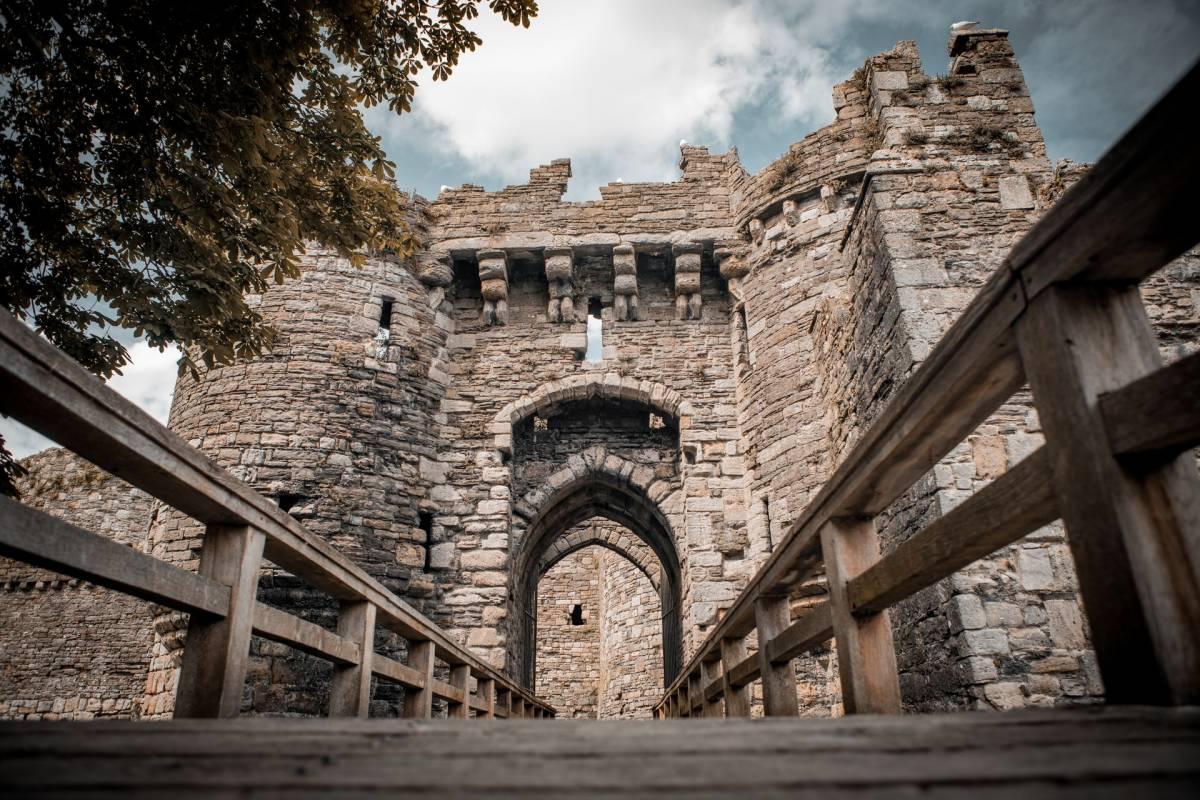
x=687 y=280
x=493 y=279
x=733 y=264
x=435 y=269
x=625 y=288
x=560 y=274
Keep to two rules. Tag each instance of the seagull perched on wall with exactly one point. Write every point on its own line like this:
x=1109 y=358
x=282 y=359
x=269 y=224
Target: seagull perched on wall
x=962 y=26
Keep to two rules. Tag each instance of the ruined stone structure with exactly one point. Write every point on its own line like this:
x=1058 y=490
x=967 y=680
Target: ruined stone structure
x=435 y=418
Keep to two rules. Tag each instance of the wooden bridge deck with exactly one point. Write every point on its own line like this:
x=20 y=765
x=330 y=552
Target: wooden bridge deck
x=1093 y=753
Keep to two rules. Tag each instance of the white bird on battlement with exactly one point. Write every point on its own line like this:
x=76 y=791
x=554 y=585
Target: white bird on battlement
x=961 y=26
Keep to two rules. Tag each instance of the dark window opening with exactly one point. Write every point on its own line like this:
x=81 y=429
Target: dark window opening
x=425 y=521
x=743 y=345
x=288 y=500
x=385 y=314
x=767 y=523
x=577 y=614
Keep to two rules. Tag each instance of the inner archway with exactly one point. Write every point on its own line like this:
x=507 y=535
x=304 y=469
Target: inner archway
x=599 y=626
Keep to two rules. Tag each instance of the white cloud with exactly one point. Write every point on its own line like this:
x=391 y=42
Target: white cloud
x=614 y=84
x=148 y=381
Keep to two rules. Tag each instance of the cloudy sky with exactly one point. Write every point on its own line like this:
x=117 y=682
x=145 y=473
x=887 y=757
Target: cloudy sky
x=616 y=84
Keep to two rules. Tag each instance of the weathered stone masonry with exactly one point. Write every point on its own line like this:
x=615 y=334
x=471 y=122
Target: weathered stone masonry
x=435 y=419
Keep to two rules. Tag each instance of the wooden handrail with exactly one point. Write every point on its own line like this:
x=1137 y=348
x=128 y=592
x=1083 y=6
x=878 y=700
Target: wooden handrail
x=1123 y=221
x=49 y=392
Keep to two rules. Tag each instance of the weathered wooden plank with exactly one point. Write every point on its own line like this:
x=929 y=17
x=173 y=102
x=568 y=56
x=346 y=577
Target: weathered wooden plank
x=1156 y=415
x=737 y=697
x=1134 y=532
x=279 y=626
x=1037 y=755
x=214 y=662
x=866 y=653
x=503 y=702
x=1128 y=216
x=810 y=630
x=712 y=686
x=37 y=538
x=772 y=617
x=350 y=690
x=1018 y=502
x=418 y=701
x=392 y=670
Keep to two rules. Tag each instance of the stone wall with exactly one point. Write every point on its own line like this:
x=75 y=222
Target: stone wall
x=568 y=654
x=69 y=649
x=631 y=677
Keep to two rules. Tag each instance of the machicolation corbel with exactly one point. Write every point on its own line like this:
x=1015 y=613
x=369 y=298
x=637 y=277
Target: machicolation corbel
x=493 y=279
x=625 y=288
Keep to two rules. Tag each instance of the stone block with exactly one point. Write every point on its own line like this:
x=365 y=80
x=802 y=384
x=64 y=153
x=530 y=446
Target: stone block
x=1015 y=192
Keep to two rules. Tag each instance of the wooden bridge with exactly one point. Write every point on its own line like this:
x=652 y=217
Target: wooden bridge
x=1063 y=315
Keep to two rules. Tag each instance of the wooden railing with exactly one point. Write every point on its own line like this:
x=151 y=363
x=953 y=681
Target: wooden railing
x=1063 y=314
x=52 y=394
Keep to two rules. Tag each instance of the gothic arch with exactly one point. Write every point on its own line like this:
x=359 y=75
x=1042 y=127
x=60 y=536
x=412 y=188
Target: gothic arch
x=595 y=483
x=609 y=385
x=633 y=550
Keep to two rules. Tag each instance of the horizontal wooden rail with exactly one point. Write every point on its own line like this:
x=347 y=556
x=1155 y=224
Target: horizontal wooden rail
x=1018 y=502
x=1158 y=414
x=1127 y=218
x=52 y=394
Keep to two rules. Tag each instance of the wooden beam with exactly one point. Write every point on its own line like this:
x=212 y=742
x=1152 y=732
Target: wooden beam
x=1134 y=532
x=745 y=672
x=418 y=702
x=814 y=628
x=391 y=670
x=215 y=653
x=866 y=653
x=1018 y=502
x=737 y=697
x=1157 y=415
x=487 y=696
x=279 y=626
x=503 y=702
x=35 y=537
x=772 y=617
x=711 y=686
x=350 y=690
x=460 y=679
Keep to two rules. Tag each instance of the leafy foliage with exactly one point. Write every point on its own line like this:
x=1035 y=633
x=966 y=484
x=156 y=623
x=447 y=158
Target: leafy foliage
x=160 y=160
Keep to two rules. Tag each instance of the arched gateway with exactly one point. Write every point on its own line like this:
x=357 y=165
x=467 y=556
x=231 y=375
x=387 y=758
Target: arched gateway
x=596 y=483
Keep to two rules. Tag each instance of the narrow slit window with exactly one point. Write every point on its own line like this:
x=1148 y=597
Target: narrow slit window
x=385 y=315
x=767 y=523
x=425 y=520
x=595 y=343
x=577 y=614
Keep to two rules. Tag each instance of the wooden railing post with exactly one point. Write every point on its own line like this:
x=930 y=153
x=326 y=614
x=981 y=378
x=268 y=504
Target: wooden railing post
x=866 y=653
x=737 y=698
x=487 y=694
x=213 y=675
x=350 y=692
x=418 y=703
x=504 y=701
x=460 y=678
x=710 y=671
x=1134 y=529
x=772 y=615
x=695 y=696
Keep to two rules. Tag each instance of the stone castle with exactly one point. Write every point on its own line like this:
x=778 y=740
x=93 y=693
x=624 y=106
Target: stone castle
x=582 y=521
